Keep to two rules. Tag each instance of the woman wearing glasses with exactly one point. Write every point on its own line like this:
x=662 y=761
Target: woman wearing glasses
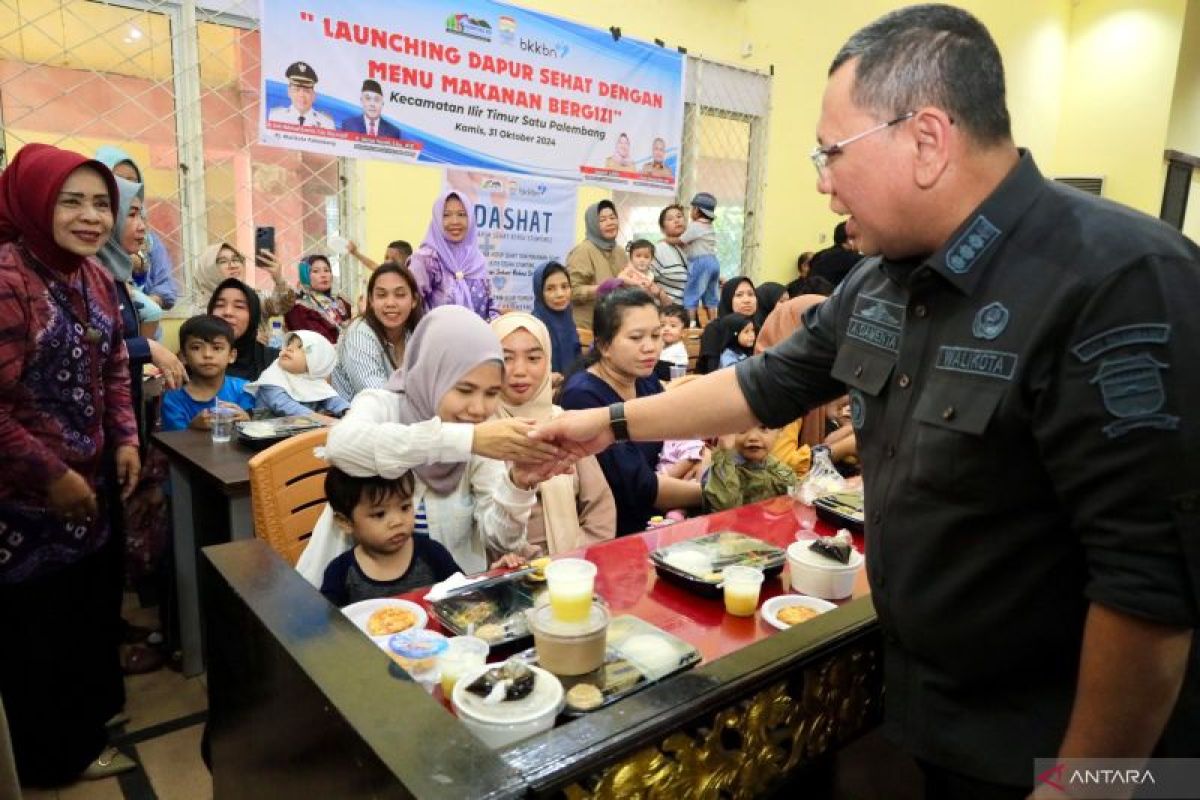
x=221 y=261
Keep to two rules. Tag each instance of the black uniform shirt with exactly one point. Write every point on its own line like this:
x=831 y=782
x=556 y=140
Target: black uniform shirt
x=1026 y=405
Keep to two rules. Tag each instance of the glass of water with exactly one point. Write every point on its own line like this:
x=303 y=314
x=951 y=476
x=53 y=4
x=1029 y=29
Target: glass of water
x=678 y=371
x=222 y=423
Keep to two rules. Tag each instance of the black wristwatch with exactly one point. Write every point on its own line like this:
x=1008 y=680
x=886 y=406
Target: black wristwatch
x=617 y=422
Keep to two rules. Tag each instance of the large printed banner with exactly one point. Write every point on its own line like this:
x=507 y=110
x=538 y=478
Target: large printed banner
x=522 y=222
x=471 y=83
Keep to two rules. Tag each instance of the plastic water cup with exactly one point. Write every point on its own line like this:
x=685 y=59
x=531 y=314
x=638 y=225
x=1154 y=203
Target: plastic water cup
x=678 y=371
x=338 y=244
x=462 y=655
x=222 y=424
x=571 y=583
x=742 y=587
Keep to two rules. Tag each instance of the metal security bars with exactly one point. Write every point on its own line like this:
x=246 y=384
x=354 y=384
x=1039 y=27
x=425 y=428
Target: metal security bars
x=724 y=154
x=175 y=85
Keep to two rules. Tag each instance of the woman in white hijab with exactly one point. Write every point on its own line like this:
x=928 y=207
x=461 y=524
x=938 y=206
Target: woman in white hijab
x=434 y=418
x=573 y=511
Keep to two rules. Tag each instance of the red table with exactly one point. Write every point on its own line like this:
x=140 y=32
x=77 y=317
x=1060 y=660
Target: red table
x=627 y=581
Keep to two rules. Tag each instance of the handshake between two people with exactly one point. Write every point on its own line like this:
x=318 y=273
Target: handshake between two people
x=540 y=451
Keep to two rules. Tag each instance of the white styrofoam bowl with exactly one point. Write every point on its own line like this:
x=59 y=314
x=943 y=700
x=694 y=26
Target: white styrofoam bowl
x=497 y=733
x=817 y=576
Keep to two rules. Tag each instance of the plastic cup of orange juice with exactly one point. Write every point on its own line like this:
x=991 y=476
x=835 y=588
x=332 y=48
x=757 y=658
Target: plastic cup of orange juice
x=742 y=587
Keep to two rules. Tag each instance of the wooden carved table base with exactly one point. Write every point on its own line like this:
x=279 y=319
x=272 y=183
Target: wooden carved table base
x=746 y=748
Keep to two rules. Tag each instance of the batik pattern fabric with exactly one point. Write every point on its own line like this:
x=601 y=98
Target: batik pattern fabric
x=64 y=402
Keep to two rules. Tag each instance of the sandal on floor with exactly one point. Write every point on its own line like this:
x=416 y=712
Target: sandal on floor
x=138 y=659
x=111 y=762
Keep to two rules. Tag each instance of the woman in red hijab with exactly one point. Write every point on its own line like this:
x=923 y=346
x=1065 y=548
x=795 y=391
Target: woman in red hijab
x=68 y=440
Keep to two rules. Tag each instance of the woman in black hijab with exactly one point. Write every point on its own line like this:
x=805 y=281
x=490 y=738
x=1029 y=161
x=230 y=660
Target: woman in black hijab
x=769 y=294
x=737 y=297
x=238 y=304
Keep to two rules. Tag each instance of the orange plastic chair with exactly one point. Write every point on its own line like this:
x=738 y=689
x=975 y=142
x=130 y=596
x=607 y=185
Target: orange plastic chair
x=287 y=492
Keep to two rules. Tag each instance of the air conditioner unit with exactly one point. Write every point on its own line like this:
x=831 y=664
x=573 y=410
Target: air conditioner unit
x=1092 y=184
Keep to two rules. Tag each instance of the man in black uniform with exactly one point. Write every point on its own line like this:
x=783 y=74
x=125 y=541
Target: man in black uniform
x=1023 y=363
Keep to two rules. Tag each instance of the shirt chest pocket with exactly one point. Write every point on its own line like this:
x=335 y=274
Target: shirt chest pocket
x=951 y=454
x=865 y=374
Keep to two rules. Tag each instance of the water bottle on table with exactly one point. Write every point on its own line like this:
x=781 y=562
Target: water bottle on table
x=276 y=340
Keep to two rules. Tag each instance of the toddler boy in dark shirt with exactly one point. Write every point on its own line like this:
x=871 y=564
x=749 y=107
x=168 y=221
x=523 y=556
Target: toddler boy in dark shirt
x=387 y=558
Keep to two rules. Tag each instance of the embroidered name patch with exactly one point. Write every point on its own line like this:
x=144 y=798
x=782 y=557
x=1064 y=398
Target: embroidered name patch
x=974 y=242
x=1101 y=343
x=990 y=321
x=877 y=322
x=989 y=363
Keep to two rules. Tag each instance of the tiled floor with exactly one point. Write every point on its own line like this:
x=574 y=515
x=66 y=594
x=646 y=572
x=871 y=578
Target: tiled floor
x=166 y=716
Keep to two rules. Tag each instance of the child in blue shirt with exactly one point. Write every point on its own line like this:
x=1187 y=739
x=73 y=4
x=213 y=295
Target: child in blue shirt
x=699 y=244
x=298 y=381
x=206 y=348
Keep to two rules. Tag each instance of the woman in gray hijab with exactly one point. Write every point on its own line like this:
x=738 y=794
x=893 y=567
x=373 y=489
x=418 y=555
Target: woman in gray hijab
x=594 y=260
x=435 y=418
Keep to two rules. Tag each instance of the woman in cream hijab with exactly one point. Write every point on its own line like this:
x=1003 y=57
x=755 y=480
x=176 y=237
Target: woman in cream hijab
x=573 y=511
x=220 y=261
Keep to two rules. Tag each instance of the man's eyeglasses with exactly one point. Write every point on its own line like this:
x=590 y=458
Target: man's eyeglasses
x=821 y=155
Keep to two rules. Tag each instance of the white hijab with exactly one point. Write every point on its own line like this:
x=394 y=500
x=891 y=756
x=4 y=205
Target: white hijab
x=311 y=387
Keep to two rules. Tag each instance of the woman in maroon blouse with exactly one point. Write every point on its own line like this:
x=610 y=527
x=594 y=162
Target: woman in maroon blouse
x=68 y=452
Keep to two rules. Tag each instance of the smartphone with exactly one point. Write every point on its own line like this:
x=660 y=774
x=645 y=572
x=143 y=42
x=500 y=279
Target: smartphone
x=264 y=239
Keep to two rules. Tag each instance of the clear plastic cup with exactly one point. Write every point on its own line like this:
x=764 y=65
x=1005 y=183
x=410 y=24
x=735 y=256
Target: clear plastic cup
x=571 y=583
x=742 y=587
x=338 y=244
x=678 y=371
x=462 y=655
x=222 y=423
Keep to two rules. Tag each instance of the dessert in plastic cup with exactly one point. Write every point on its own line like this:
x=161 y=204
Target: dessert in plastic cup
x=569 y=648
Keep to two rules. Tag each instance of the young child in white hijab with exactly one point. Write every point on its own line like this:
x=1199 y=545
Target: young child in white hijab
x=298 y=381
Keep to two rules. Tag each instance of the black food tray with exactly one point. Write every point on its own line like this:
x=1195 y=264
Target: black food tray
x=842 y=510
x=502 y=600
x=723 y=549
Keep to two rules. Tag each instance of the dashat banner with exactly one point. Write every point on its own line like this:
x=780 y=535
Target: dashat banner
x=471 y=84
x=522 y=222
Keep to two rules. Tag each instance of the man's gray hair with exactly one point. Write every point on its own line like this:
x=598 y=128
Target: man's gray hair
x=930 y=55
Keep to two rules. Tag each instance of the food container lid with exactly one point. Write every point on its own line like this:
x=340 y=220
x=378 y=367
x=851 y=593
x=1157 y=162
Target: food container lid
x=543 y=621
x=799 y=552
x=547 y=696
x=417 y=644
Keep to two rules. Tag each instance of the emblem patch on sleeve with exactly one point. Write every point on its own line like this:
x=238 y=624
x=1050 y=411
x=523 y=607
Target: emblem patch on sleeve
x=1132 y=390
